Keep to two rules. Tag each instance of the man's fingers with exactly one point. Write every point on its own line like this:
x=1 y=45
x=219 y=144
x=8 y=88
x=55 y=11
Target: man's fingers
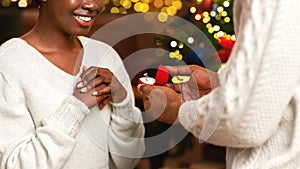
x=179 y=70
x=173 y=86
x=145 y=89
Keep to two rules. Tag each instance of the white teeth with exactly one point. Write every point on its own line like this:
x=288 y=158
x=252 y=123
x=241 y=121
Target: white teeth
x=84 y=18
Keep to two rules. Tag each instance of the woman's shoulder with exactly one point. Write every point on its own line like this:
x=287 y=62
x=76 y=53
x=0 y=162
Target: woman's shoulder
x=13 y=53
x=10 y=44
x=9 y=49
x=13 y=47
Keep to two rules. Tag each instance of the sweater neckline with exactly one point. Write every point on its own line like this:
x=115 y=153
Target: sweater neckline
x=50 y=64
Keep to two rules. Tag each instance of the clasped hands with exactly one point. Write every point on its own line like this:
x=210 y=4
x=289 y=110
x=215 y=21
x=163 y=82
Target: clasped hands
x=99 y=86
x=163 y=102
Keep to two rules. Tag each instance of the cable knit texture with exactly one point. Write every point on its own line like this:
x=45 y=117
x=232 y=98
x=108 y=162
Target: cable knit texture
x=255 y=111
x=44 y=126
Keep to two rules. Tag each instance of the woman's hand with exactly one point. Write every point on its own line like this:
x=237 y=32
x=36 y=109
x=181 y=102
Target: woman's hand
x=99 y=86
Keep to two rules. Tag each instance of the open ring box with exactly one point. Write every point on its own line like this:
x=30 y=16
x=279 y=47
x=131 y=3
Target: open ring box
x=161 y=78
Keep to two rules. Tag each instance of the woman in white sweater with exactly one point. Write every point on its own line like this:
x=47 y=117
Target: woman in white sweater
x=253 y=104
x=55 y=114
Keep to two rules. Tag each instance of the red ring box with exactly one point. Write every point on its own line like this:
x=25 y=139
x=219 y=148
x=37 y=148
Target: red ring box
x=161 y=78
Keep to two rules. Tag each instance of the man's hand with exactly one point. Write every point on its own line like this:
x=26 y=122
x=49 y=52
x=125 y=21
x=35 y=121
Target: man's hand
x=161 y=102
x=201 y=81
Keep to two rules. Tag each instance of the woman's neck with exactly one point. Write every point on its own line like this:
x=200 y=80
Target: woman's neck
x=65 y=52
x=45 y=39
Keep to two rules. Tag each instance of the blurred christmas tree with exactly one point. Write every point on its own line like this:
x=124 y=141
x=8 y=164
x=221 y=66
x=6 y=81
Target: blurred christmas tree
x=214 y=19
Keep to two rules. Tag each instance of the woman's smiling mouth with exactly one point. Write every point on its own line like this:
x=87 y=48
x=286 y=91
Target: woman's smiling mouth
x=85 y=21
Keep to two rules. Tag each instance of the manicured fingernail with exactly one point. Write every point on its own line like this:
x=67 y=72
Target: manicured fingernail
x=95 y=93
x=80 y=84
x=83 y=90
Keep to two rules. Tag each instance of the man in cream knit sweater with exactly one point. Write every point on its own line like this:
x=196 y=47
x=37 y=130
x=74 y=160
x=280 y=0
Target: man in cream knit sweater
x=255 y=109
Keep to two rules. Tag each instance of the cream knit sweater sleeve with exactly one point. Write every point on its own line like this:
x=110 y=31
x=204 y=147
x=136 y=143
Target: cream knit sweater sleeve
x=47 y=146
x=258 y=82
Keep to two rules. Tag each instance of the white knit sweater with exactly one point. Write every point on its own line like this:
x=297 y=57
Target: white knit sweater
x=255 y=112
x=43 y=126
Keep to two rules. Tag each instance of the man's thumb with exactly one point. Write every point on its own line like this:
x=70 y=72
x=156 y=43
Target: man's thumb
x=144 y=89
